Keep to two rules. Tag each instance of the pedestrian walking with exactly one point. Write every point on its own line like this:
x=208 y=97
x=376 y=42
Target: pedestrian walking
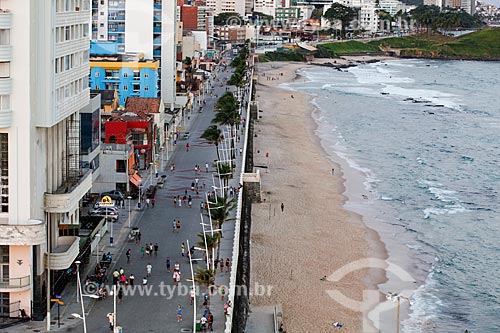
x=156 y=246
x=228 y=263
x=179 y=201
x=174 y=225
x=241 y=151
x=120 y=295
x=282 y=207
x=210 y=321
x=116 y=275
x=179 y=313
x=131 y=280
x=175 y=201
x=222 y=293
x=153 y=202
x=184 y=200
x=196 y=181
x=123 y=279
x=143 y=251
x=147 y=202
x=178 y=225
x=128 y=255
x=111 y=320
x=203 y=324
x=138 y=238
x=167 y=262
x=187 y=146
x=192 y=186
x=144 y=281
x=192 y=295
x=206 y=167
x=177 y=266
x=147 y=250
x=183 y=249
x=221 y=264
x=149 y=268
x=333 y=171
x=202 y=205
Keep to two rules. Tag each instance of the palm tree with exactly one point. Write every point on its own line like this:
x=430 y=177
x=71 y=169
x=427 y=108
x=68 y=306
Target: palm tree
x=225 y=172
x=212 y=242
x=219 y=213
x=213 y=135
x=205 y=277
x=228 y=115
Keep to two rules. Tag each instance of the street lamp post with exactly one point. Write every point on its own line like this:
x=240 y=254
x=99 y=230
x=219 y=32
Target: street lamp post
x=98 y=236
x=77 y=281
x=129 y=198
x=397 y=298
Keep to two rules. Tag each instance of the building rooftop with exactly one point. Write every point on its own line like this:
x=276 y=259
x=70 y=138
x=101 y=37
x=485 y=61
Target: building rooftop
x=143 y=104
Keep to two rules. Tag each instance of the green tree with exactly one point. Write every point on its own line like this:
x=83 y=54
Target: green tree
x=228 y=19
x=341 y=13
x=213 y=135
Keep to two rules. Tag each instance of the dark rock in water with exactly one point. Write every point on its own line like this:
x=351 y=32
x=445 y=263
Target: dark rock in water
x=384 y=93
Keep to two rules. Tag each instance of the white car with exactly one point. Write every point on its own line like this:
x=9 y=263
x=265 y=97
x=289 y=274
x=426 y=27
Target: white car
x=110 y=212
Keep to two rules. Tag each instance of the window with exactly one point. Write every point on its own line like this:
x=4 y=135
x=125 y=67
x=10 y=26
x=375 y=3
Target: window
x=4 y=36
x=125 y=88
x=67 y=33
x=85 y=28
x=101 y=25
x=4 y=69
x=4 y=102
x=146 y=88
x=146 y=75
x=4 y=174
x=120 y=166
x=97 y=74
x=125 y=74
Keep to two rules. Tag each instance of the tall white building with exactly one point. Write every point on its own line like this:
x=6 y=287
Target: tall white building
x=227 y=6
x=145 y=26
x=44 y=67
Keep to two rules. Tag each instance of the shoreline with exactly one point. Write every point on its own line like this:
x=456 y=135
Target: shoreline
x=363 y=241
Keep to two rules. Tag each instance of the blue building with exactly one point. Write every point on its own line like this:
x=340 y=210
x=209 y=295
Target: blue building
x=128 y=73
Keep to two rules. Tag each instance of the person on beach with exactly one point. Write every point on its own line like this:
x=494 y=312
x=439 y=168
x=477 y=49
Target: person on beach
x=282 y=207
x=333 y=171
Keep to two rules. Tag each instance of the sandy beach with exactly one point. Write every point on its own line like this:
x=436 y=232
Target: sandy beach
x=314 y=235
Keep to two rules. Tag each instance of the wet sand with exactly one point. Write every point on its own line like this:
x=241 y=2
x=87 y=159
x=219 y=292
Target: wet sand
x=314 y=236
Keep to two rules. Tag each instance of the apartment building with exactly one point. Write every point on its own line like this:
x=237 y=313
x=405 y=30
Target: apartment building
x=227 y=6
x=144 y=26
x=130 y=74
x=42 y=182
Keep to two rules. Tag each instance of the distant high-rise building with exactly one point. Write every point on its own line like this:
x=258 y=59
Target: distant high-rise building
x=227 y=6
x=144 y=26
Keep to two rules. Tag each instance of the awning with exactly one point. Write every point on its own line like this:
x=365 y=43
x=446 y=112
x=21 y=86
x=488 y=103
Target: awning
x=135 y=179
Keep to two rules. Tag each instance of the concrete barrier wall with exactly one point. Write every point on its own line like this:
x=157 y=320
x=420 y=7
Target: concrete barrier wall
x=236 y=239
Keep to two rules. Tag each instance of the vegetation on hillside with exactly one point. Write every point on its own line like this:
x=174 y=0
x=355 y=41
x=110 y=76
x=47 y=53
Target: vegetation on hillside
x=281 y=56
x=481 y=45
x=344 y=48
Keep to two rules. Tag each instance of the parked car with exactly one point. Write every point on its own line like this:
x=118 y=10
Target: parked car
x=110 y=212
x=115 y=195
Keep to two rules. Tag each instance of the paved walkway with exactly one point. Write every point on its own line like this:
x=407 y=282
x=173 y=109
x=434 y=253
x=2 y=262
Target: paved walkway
x=153 y=309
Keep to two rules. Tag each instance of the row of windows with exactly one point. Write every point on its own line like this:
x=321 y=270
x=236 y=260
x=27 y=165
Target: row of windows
x=72 y=32
x=72 y=5
x=110 y=73
x=111 y=86
x=72 y=89
x=70 y=61
x=4 y=172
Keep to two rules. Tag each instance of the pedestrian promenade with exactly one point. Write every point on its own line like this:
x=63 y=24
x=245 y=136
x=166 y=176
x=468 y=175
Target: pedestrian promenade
x=154 y=308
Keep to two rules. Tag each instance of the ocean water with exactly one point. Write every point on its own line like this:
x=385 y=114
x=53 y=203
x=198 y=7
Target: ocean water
x=426 y=136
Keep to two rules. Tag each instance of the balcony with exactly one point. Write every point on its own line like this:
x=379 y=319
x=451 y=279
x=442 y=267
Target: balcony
x=5 y=19
x=31 y=232
x=15 y=284
x=156 y=41
x=66 y=251
x=5 y=53
x=157 y=29
x=66 y=198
